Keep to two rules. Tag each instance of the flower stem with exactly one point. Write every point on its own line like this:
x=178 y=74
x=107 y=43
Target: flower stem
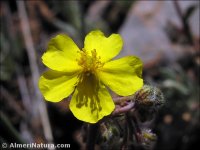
x=91 y=136
x=137 y=128
x=119 y=100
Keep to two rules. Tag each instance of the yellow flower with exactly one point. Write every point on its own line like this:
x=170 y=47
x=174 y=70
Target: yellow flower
x=86 y=74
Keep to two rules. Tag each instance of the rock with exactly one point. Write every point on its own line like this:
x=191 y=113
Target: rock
x=144 y=32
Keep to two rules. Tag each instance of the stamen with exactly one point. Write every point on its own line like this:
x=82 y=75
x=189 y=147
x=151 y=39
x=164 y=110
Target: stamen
x=90 y=63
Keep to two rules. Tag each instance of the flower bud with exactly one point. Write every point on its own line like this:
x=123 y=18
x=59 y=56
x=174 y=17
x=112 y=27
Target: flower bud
x=110 y=135
x=148 y=138
x=149 y=96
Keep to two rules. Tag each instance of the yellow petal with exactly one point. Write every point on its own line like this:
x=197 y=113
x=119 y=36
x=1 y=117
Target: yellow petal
x=123 y=76
x=91 y=100
x=62 y=54
x=56 y=85
x=106 y=47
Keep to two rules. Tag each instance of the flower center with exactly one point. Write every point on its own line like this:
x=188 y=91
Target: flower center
x=90 y=62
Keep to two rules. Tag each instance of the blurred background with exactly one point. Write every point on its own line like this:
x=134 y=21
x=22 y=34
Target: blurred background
x=164 y=34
